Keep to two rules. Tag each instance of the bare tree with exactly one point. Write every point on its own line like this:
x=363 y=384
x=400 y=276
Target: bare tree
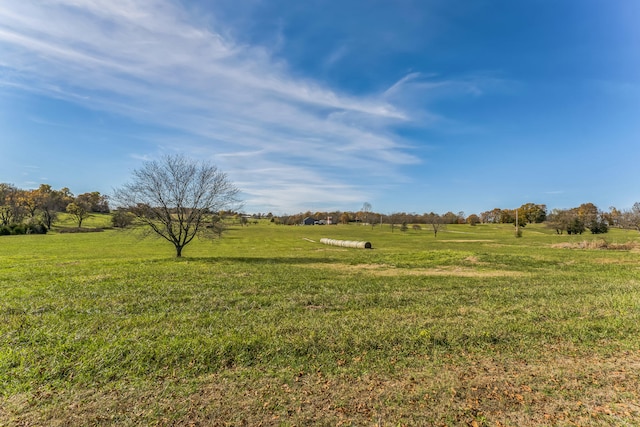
x=366 y=210
x=631 y=218
x=436 y=221
x=176 y=197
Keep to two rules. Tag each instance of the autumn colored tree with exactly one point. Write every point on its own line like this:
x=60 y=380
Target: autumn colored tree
x=29 y=200
x=533 y=213
x=80 y=210
x=345 y=218
x=10 y=210
x=613 y=217
x=592 y=218
x=473 y=219
x=491 y=217
x=97 y=202
x=507 y=216
x=587 y=213
x=47 y=201
x=63 y=197
x=449 y=218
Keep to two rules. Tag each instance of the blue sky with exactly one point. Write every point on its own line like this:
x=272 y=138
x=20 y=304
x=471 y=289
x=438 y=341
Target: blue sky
x=416 y=106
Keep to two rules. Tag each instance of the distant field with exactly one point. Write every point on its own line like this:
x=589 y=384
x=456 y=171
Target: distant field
x=269 y=327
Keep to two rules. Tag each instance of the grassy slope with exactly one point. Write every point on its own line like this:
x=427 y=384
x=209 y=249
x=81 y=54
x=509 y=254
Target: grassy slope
x=266 y=327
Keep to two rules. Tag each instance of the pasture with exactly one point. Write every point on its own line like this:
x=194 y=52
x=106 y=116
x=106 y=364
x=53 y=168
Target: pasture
x=269 y=327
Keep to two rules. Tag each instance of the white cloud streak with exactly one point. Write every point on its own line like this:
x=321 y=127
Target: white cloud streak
x=288 y=142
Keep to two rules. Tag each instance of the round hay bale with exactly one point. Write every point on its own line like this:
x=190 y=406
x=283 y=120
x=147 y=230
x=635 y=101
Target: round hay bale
x=346 y=243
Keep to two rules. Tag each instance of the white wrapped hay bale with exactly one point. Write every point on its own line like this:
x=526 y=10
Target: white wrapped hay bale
x=346 y=243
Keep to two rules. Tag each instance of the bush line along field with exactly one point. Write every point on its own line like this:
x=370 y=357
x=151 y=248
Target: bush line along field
x=269 y=327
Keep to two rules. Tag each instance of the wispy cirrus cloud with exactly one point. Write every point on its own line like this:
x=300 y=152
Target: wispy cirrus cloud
x=288 y=141
x=417 y=83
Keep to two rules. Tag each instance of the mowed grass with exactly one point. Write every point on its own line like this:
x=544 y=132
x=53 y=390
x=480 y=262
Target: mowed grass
x=269 y=327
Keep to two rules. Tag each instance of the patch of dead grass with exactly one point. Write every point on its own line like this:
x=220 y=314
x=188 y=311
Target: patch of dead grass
x=581 y=390
x=598 y=244
x=385 y=270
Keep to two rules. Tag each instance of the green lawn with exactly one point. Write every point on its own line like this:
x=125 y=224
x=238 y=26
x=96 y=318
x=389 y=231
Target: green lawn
x=269 y=327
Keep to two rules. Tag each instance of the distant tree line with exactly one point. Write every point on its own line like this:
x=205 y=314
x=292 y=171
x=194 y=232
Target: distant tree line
x=586 y=217
x=36 y=210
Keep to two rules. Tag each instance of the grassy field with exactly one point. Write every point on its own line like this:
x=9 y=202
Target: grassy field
x=269 y=327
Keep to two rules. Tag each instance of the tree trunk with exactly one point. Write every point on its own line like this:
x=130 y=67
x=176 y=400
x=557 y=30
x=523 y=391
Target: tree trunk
x=178 y=251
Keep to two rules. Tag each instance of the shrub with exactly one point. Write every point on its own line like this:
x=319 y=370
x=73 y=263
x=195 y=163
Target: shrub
x=36 y=229
x=122 y=218
x=575 y=227
x=599 y=227
x=17 y=228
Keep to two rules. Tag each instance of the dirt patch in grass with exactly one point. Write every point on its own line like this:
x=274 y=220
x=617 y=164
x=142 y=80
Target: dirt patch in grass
x=385 y=270
x=598 y=244
x=473 y=391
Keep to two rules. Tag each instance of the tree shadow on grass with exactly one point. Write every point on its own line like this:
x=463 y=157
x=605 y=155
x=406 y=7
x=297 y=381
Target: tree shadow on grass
x=260 y=260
